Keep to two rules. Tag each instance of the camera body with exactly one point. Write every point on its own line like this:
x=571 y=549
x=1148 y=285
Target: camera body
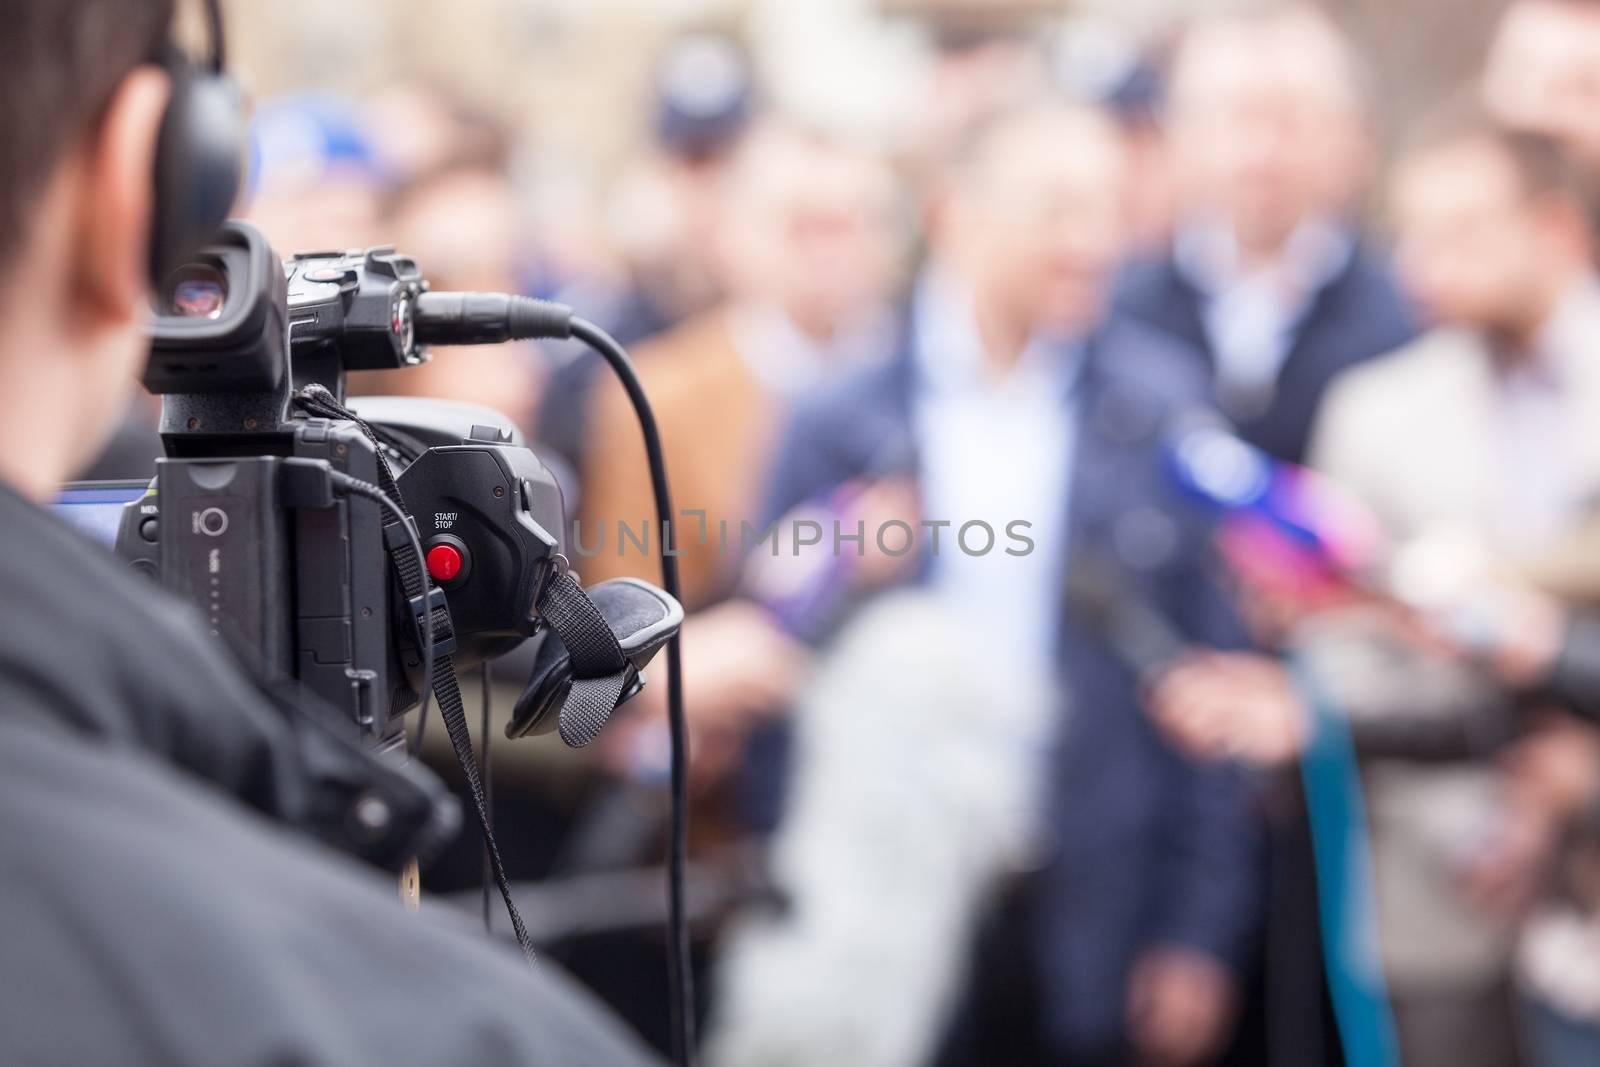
x=295 y=578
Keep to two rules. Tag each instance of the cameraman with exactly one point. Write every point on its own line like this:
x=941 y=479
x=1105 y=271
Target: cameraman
x=163 y=900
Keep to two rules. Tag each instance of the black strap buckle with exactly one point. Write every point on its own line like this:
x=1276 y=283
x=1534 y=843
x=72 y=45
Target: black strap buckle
x=426 y=613
x=394 y=535
x=555 y=564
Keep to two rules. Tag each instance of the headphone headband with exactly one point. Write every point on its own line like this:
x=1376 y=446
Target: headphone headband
x=197 y=156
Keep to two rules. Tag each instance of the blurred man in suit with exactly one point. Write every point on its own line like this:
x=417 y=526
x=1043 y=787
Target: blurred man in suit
x=1484 y=427
x=661 y=223
x=1475 y=448
x=808 y=248
x=806 y=245
x=1488 y=416
x=1014 y=396
x=1267 y=275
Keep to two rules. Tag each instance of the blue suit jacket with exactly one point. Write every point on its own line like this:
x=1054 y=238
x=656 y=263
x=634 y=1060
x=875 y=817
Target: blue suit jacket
x=1359 y=314
x=1150 y=848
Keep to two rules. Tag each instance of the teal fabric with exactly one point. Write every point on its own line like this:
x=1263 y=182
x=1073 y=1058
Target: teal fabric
x=1345 y=892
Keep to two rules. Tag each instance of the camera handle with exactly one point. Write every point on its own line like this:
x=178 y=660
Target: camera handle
x=478 y=318
x=600 y=674
x=435 y=635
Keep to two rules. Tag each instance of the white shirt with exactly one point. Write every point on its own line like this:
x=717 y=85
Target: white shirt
x=1250 y=315
x=1543 y=493
x=996 y=449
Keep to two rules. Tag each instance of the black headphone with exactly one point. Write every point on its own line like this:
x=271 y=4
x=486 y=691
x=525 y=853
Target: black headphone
x=198 y=154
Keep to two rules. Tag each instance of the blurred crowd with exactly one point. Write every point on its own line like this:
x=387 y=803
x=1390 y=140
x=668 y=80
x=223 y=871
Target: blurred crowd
x=1140 y=536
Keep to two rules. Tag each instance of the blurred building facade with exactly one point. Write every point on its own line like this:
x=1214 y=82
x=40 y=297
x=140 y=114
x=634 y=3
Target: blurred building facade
x=571 y=73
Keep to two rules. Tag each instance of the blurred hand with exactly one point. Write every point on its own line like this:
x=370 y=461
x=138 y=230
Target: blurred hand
x=1556 y=768
x=1515 y=631
x=1507 y=876
x=824 y=573
x=739 y=670
x=874 y=504
x=737 y=666
x=1550 y=777
x=1532 y=627
x=1242 y=705
x=1181 y=1007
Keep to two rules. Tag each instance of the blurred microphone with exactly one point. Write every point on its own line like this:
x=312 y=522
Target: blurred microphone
x=906 y=809
x=1241 y=482
x=1281 y=529
x=804 y=592
x=1139 y=634
x=807 y=593
x=1305 y=541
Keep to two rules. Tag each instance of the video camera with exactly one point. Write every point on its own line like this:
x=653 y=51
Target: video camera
x=352 y=552
x=356 y=559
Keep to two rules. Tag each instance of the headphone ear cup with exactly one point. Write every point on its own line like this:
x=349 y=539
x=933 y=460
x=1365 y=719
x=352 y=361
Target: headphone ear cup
x=198 y=167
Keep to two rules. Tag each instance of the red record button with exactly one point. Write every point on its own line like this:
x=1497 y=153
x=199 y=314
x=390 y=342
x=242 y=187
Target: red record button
x=444 y=562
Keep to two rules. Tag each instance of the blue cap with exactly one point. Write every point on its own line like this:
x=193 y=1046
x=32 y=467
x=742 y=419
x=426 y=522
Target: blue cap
x=301 y=137
x=705 y=95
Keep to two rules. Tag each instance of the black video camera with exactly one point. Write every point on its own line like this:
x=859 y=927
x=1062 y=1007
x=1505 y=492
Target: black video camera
x=346 y=551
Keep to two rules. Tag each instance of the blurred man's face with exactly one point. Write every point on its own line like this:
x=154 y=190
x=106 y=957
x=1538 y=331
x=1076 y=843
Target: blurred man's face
x=1470 y=241
x=836 y=247
x=1265 y=128
x=464 y=230
x=1045 y=217
x=812 y=232
x=1543 y=72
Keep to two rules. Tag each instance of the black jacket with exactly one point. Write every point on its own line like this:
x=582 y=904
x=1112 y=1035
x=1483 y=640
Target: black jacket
x=1359 y=314
x=164 y=896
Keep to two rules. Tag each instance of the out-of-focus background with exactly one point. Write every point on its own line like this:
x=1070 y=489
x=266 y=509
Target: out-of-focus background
x=570 y=75
x=1246 y=356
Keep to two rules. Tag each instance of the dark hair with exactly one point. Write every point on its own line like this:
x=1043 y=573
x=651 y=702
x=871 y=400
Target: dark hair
x=60 y=64
x=1543 y=165
x=477 y=141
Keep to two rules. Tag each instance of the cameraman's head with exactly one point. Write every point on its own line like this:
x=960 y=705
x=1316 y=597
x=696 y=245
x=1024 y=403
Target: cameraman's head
x=81 y=103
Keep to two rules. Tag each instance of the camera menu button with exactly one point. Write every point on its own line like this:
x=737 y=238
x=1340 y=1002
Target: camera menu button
x=213 y=522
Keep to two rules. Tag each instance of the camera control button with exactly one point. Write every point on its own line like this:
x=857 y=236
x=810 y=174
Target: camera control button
x=444 y=562
x=150 y=529
x=213 y=522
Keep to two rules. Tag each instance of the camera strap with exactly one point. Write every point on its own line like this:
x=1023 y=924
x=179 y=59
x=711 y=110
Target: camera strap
x=318 y=400
x=601 y=672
